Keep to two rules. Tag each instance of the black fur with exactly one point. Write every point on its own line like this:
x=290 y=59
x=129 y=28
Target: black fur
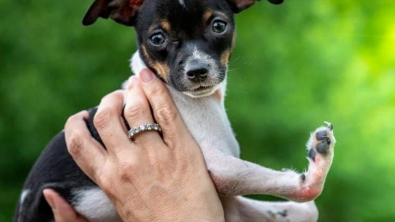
x=55 y=169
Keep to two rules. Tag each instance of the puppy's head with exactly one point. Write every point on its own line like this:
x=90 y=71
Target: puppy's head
x=187 y=43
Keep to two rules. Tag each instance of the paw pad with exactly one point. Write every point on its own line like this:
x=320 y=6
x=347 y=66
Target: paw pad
x=312 y=154
x=323 y=146
x=321 y=141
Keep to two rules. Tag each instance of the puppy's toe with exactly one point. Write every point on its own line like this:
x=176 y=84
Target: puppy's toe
x=321 y=141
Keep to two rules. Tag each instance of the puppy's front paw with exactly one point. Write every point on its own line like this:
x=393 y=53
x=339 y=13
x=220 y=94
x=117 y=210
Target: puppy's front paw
x=320 y=155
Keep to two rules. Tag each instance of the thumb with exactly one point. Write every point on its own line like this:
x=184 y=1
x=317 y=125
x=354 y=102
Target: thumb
x=62 y=210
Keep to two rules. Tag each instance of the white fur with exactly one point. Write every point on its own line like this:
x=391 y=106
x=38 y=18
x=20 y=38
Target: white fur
x=182 y=2
x=24 y=195
x=202 y=57
x=136 y=63
x=95 y=205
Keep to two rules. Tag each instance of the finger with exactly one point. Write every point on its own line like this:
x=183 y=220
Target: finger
x=137 y=112
x=85 y=150
x=109 y=123
x=164 y=109
x=62 y=210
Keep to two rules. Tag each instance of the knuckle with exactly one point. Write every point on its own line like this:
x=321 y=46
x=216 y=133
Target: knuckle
x=102 y=118
x=118 y=95
x=155 y=88
x=126 y=171
x=134 y=112
x=166 y=115
x=172 y=139
x=71 y=120
x=106 y=183
x=75 y=143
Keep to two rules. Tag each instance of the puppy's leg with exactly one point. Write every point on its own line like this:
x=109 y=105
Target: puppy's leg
x=241 y=209
x=233 y=176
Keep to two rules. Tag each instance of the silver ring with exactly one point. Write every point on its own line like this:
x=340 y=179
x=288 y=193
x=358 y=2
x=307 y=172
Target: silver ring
x=147 y=127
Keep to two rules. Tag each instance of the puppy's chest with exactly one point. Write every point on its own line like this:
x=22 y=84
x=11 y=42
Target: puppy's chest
x=208 y=123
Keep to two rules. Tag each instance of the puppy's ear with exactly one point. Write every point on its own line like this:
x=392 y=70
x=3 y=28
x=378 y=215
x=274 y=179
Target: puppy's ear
x=240 y=5
x=121 y=11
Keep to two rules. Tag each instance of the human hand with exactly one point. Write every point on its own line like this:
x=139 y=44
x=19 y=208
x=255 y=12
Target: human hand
x=147 y=178
x=62 y=211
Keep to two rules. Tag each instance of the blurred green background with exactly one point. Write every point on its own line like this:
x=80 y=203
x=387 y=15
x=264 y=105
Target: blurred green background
x=294 y=66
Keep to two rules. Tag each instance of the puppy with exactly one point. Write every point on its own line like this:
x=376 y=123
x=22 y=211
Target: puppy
x=187 y=44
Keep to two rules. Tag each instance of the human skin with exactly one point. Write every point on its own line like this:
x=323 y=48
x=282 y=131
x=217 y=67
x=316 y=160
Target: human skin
x=151 y=177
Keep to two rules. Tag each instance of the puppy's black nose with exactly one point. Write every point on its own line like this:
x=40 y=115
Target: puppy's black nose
x=197 y=71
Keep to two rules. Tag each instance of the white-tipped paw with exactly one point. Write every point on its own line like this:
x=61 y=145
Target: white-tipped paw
x=321 y=142
x=320 y=154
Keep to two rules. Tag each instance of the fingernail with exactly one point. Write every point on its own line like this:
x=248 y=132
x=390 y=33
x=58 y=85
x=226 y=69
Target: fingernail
x=132 y=78
x=49 y=201
x=146 y=75
x=130 y=81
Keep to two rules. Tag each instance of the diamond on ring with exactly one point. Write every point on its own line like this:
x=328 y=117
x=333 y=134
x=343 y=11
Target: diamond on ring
x=147 y=127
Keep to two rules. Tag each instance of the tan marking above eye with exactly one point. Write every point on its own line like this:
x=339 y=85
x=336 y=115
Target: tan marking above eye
x=206 y=17
x=165 y=25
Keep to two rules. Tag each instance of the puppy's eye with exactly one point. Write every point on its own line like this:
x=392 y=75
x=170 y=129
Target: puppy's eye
x=157 y=39
x=219 y=26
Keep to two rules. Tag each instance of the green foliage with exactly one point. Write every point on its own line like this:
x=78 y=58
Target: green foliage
x=293 y=67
